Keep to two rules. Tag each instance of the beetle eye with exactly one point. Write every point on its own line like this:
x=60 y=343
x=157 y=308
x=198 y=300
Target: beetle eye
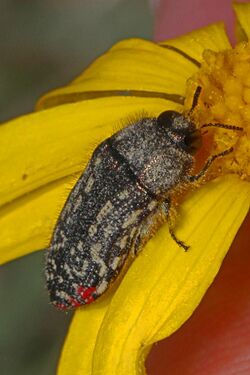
x=166 y=118
x=180 y=130
x=192 y=142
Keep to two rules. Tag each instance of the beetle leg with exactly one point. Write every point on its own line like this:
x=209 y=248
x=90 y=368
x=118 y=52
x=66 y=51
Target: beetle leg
x=207 y=165
x=166 y=206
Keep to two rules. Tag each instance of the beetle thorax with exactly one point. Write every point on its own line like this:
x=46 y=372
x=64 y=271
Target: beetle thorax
x=157 y=162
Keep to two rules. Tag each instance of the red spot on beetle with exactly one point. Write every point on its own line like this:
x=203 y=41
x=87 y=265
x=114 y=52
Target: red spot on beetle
x=74 y=302
x=61 y=306
x=86 y=293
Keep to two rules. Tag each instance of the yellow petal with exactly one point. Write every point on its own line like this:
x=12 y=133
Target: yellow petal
x=211 y=37
x=42 y=147
x=77 y=354
x=162 y=287
x=28 y=222
x=242 y=11
x=135 y=65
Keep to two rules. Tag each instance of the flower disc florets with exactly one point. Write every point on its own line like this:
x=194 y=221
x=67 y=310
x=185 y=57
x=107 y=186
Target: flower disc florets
x=225 y=98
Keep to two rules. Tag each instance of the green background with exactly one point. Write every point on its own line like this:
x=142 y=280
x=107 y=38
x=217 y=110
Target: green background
x=45 y=44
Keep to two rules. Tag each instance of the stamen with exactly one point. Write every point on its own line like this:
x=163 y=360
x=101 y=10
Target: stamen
x=195 y=99
x=224 y=104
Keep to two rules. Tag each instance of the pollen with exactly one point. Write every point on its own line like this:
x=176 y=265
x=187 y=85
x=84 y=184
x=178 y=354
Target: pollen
x=225 y=99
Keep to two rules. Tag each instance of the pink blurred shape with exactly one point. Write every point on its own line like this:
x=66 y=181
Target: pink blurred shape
x=176 y=17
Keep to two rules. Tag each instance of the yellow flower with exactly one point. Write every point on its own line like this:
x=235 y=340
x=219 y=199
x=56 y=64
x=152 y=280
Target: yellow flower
x=43 y=154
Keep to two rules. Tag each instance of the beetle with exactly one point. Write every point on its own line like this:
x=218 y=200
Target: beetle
x=118 y=199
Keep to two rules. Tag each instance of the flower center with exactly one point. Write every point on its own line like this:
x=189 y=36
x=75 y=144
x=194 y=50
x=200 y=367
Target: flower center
x=225 y=98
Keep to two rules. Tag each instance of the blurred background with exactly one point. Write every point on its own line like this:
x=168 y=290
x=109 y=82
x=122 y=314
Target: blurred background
x=45 y=44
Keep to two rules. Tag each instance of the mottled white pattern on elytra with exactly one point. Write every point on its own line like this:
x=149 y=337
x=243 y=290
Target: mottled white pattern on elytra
x=69 y=220
x=108 y=230
x=97 y=161
x=133 y=231
x=81 y=271
x=77 y=203
x=123 y=242
x=60 y=279
x=62 y=294
x=104 y=211
x=132 y=218
x=89 y=184
x=95 y=254
x=68 y=270
x=92 y=230
x=115 y=263
x=72 y=250
x=63 y=239
x=95 y=248
x=53 y=264
x=80 y=246
x=123 y=194
x=65 y=211
x=102 y=287
x=152 y=205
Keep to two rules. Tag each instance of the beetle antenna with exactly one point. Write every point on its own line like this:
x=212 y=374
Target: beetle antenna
x=224 y=126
